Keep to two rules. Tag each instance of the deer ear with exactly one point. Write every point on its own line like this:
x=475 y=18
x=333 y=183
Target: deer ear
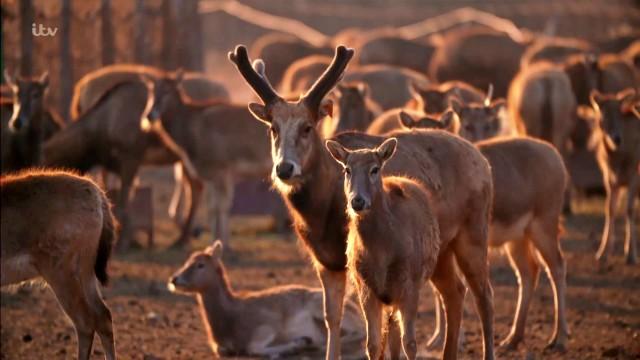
x=387 y=149
x=406 y=120
x=44 y=79
x=326 y=109
x=259 y=111
x=363 y=89
x=450 y=121
x=337 y=151
x=594 y=98
x=8 y=78
x=215 y=250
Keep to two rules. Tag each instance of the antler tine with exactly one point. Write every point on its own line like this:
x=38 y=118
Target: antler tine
x=329 y=78
x=257 y=81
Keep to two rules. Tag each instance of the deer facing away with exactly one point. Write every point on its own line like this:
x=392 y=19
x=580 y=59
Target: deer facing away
x=67 y=243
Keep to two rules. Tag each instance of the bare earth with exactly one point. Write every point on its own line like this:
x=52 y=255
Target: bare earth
x=151 y=323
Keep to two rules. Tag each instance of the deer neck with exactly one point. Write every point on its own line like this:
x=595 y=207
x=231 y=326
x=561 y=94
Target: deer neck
x=71 y=147
x=220 y=306
x=374 y=224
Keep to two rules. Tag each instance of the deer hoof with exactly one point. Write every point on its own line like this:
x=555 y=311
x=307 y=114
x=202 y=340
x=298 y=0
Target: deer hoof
x=511 y=342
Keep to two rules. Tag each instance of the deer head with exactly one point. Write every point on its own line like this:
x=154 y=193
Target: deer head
x=203 y=270
x=448 y=121
x=362 y=172
x=168 y=92
x=480 y=121
x=610 y=110
x=28 y=103
x=292 y=124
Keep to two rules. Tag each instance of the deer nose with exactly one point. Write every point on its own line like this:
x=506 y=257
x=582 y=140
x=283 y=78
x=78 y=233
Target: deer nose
x=358 y=203
x=284 y=170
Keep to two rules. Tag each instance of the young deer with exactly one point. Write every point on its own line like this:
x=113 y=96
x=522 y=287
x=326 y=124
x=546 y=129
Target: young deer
x=311 y=184
x=268 y=323
x=529 y=178
x=617 y=141
x=67 y=242
x=392 y=247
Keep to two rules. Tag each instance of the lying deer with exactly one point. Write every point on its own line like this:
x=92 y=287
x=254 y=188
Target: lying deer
x=529 y=179
x=311 y=184
x=617 y=143
x=68 y=246
x=268 y=323
x=392 y=248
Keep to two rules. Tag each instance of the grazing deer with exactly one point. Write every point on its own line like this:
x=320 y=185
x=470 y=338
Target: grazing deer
x=67 y=242
x=529 y=179
x=311 y=184
x=555 y=50
x=392 y=248
x=479 y=57
x=617 y=142
x=356 y=110
x=396 y=51
x=90 y=88
x=270 y=323
x=27 y=123
x=435 y=98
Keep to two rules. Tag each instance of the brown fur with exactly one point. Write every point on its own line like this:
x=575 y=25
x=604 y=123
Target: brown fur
x=396 y=51
x=356 y=110
x=393 y=244
x=267 y=323
x=301 y=73
x=529 y=179
x=32 y=123
x=542 y=104
x=554 y=50
x=435 y=99
x=479 y=57
x=311 y=184
x=281 y=50
x=617 y=142
x=67 y=243
x=90 y=88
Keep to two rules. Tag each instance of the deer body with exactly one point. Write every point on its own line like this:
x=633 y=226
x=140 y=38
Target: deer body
x=68 y=247
x=272 y=322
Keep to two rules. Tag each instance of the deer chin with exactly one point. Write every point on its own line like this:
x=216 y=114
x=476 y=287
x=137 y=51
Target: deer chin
x=286 y=186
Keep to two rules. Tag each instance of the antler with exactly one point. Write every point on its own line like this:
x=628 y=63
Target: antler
x=329 y=78
x=255 y=79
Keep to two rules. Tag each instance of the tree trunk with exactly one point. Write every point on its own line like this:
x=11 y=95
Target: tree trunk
x=168 y=36
x=108 y=47
x=26 y=37
x=140 y=43
x=190 y=36
x=66 y=61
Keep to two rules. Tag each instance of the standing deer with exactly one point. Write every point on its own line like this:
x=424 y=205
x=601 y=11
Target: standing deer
x=356 y=110
x=617 y=141
x=392 y=247
x=270 y=323
x=31 y=122
x=530 y=179
x=67 y=242
x=311 y=184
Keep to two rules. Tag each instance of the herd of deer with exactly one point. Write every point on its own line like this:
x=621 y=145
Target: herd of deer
x=408 y=180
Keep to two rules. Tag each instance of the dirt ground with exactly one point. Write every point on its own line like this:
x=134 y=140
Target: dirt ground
x=151 y=323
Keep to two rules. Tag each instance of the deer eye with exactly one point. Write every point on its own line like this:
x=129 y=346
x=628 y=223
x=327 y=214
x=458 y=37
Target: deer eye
x=306 y=130
x=199 y=265
x=375 y=170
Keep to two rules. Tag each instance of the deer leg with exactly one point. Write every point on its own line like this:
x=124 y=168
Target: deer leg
x=527 y=270
x=373 y=311
x=333 y=287
x=195 y=194
x=631 y=233
x=264 y=336
x=409 y=312
x=470 y=248
x=127 y=176
x=102 y=316
x=544 y=234
x=608 y=234
x=437 y=339
x=395 y=337
x=67 y=287
x=176 y=206
x=450 y=287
